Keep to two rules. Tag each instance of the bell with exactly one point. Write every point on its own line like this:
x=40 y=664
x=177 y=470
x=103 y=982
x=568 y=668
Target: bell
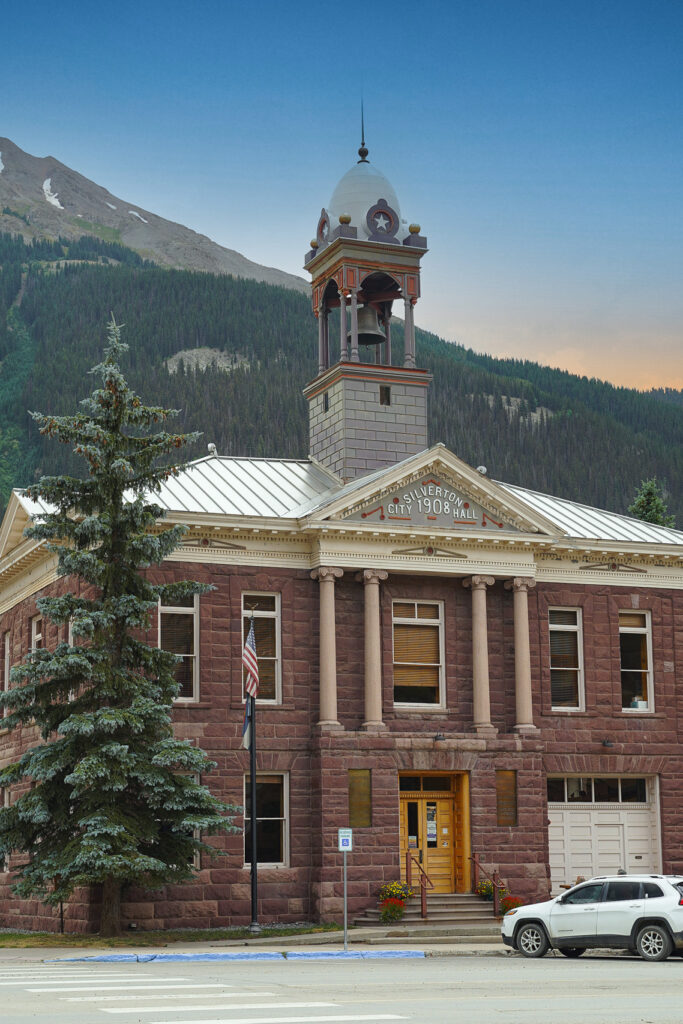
x=369 y=332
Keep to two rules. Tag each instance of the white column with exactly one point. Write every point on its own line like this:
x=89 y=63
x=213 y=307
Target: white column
x=409 y=335
x=371 y=579
x=480 y=654
x=354 y=326
x=321 y=340
x=524 y=711
x=328 y=645
x=343 y=339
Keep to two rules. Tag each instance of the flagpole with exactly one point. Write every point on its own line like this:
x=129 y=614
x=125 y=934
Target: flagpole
x=254 y=927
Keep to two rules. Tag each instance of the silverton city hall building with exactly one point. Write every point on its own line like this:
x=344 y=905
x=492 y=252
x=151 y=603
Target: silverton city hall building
x=449 y=664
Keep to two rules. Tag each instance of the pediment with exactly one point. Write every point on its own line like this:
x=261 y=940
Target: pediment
x=14 y=522
x=435 y=490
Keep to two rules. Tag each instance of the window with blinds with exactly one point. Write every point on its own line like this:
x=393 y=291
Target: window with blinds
x=635 y=646
x=179 y=634
x=566 y=659
x=418 y=652
x=265 y=609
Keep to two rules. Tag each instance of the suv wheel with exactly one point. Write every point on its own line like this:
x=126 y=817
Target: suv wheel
x=532 y=940
x=654 y=942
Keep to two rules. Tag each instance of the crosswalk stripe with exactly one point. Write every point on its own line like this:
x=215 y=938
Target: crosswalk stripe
x=218 y=1006
x=83 y=986
x=172 y=995
x=290 y=1020
x=83 y=979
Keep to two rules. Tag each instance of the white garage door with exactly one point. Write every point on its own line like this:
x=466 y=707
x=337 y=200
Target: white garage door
x=589 y=835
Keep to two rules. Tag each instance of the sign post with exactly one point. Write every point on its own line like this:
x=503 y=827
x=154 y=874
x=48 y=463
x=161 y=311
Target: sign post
x=345 y=839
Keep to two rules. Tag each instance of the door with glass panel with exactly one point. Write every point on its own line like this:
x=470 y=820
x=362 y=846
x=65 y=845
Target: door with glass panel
x=429 y=829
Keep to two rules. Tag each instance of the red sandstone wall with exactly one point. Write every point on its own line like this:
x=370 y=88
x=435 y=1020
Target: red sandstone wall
x=311 y=886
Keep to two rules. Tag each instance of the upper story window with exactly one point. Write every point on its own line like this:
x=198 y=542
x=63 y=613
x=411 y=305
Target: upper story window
x=635 y=645
x=418 y=652
x=179 y=634
x=36 y=632
x=566 y=659
x=265 y=608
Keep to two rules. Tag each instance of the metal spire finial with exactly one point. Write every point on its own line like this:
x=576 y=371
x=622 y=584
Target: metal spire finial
x=363 y=151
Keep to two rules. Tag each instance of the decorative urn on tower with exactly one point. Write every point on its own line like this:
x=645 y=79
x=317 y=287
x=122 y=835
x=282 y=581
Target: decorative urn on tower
x=367 y=409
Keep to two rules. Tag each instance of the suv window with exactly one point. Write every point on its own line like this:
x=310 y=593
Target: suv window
x=652 y=890
x=624 y=891
x=586 y=894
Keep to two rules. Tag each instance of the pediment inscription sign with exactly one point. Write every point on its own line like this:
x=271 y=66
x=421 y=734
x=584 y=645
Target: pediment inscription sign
x=431 y=501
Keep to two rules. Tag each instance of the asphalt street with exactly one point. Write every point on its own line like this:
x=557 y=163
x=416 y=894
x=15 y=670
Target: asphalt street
x=487 y=990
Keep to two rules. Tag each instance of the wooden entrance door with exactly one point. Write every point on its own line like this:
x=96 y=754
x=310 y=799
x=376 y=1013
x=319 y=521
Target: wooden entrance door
x=428 y=832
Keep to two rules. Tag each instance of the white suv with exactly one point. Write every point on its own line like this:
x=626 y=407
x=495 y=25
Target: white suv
x=641 y=913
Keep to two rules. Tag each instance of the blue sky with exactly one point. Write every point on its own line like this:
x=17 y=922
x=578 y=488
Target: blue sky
x=539 y=145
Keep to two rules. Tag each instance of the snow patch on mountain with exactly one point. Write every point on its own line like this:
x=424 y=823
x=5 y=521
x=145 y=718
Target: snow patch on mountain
x=50 y=195
x=2 y=166
x=139 y=216
x=110 y=205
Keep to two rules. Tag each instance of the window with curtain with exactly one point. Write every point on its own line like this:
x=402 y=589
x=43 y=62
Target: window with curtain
x=179 y=634
x=635 y=645
x=265 y=609
x=418 y=652
x=566 y=659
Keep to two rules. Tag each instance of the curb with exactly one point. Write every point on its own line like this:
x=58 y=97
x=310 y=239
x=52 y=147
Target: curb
x=142 y=958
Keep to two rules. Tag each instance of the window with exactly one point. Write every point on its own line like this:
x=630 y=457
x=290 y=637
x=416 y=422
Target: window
x=271 y=820
x=418 y=652
x=360 y=798
x=651 y=891
x=6 y=665
x=4 y=802
x=179 y=634
x=384 y=394
x=265 y=609
x=586 y=894
x=635 y=645
x=566 y=659
x=587 y=790
x=326 y=402
x=622 y=891
x=36 y=632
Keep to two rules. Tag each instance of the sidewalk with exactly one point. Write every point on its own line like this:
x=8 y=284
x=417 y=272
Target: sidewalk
x=371 y=942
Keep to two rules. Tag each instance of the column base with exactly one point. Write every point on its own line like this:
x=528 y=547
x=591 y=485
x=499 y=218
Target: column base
x=330 y=726
x=486 y=730
x=373 y=726
x=526 y=730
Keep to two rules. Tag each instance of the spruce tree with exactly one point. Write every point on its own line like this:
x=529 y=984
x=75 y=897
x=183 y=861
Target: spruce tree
x=114 y=798
x=649 y=505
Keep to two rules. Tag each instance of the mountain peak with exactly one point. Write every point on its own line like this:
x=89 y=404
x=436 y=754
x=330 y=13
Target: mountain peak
x=40 y=197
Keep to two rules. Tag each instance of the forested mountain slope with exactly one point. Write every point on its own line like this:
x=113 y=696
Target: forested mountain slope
x=531 y=425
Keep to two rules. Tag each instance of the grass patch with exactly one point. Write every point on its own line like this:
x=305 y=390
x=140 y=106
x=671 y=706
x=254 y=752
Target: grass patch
x=107 y=234
x=35 y=940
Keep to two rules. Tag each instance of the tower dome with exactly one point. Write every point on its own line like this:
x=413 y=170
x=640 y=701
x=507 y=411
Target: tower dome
x=360 y=190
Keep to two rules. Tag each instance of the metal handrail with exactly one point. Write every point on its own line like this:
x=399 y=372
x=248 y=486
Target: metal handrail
x=424 y=879
x=494 y=879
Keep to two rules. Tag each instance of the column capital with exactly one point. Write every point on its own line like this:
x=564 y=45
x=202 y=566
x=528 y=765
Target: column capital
x=371 y=576
x=327 y=572
x=479 y=582
x=520 y=583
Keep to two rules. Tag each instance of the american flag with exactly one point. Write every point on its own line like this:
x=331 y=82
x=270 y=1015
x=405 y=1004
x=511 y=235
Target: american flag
x=250 y=662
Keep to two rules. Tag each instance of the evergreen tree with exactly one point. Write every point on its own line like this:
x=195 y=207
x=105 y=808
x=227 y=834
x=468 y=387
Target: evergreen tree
x=649 y=505
x=114 y=799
